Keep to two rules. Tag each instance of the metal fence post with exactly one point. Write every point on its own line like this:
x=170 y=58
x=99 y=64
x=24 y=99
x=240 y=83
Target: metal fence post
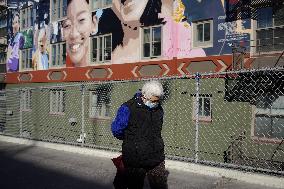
x=83 y=114
x=197 y=80
x=21 y=114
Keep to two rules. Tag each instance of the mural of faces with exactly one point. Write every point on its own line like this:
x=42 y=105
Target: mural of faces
x=41 y=37
x=132 y=15
x=16 y=24
x=139 y=12
x=16 y=42
x=42 y=40
x=76 y=29
x=125 y=21
x=129 y=10
x=40 y=58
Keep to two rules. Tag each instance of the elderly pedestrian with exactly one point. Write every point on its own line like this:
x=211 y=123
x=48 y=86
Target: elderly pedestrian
x=139 y=124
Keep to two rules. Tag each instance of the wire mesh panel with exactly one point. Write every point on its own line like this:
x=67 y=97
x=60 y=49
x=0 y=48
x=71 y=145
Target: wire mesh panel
x=259 y=127
x=60 y=114
x=2 y=111
x=99 y=112
x=178 y=128
x=27 y=111
x=229 y=119
x=12 y=124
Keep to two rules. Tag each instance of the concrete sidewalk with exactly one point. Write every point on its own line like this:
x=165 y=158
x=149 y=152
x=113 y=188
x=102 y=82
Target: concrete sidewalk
x=29 y=164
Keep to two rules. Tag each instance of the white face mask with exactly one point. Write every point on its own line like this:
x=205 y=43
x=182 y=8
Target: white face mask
x=151 y=104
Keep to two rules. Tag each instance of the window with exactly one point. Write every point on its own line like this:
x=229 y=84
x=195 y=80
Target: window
x=26 y=59
x=26 y=15
x=152 y=41
x=101 y=48
x=58 y=57
x=3 y=57
x=97 y=4
x=204 y=106
x=58 y=9
x=99 y=106
x=2 y=97
x=3 y=22
x=269 y=118
x=270 y=30
x=57 y=101
x=25 y=100
x=203 y=33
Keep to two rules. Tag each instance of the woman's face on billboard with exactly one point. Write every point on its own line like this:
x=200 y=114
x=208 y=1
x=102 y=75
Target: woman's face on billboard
x=76 y=29
x=130 y=10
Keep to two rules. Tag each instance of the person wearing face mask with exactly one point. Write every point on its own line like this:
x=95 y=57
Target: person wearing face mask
x=138 y=124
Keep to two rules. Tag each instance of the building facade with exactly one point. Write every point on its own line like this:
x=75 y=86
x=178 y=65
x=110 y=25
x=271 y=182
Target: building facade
x=118 y=42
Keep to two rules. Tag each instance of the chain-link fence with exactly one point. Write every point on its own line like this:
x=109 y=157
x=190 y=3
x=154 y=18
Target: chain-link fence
x=232 y=119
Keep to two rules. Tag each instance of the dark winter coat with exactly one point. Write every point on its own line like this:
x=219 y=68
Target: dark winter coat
x=140 y=129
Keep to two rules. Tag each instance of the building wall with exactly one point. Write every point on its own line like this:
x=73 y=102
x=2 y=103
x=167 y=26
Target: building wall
x=178 y=20
x=224 y=33
x=215 y=135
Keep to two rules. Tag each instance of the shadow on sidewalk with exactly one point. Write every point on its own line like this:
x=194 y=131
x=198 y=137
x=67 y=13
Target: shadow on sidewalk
x=19 y=174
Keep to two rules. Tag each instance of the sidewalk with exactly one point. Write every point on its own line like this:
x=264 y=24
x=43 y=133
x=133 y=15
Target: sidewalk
x=44 y=165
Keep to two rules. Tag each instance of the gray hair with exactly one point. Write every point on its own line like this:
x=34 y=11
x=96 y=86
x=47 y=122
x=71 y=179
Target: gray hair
x=152 y=88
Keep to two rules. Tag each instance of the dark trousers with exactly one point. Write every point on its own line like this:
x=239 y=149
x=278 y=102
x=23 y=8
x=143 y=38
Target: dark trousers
x=133 y=178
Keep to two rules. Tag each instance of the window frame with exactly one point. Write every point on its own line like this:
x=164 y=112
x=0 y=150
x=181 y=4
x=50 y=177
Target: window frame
x=194 y=34
x=3 y=95
x=59 y=5
x=102 y=113
x=265 y=113
x=57 y=101
x=27 y=17
x=101 y=5
x=151 y=41
x=3 y=20
x=273 y=28
x=25 y=100
x=98 y=49
x=3 y=57
x=25 y=59
x=58 y=56
x=202 y=118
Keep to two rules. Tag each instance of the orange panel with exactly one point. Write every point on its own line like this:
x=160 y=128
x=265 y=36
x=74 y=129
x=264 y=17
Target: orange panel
x=128 y=71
